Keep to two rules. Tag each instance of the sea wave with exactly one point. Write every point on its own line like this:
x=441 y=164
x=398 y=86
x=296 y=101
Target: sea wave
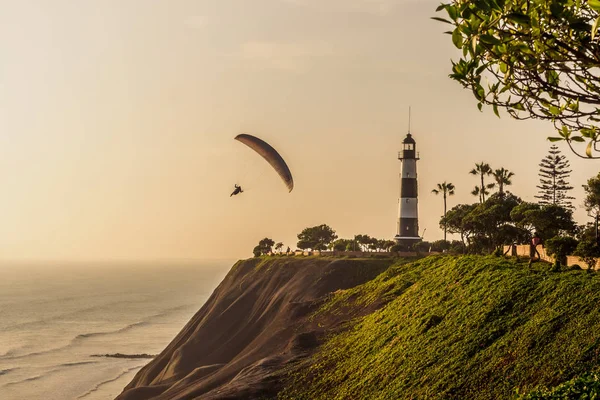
x=57 y=368
x=100 y=384
x=13 y=354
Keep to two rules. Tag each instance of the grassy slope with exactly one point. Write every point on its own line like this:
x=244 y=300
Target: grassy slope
x=457 y=327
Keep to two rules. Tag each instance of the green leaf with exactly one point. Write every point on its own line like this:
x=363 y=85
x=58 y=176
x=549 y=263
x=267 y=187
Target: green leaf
x=587 y=133
x=555 y=139
x=496 y=110
x=457 y=38
x=578 y=139
x=442 y=20
x=523 y=19
x=503 y=67
x=595 y=27
x=452 y=12
x=594 y=4
x=554 y=110
x=480 y=106
x=588 y=149
x=489 y=39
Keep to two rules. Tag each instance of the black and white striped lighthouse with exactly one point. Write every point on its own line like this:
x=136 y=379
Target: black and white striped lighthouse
x=408 y=210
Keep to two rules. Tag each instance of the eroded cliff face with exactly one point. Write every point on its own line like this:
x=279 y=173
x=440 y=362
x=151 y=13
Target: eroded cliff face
x=255 y=323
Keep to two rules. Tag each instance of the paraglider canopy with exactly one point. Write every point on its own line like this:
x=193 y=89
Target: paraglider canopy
x=271 y=155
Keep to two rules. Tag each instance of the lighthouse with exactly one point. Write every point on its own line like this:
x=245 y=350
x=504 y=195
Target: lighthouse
x=408 y=210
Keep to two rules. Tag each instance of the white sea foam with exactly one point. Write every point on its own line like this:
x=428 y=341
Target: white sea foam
x=54 y=318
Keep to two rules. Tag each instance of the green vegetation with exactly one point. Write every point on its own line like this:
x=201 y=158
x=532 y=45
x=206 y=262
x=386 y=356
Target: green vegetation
x=538 y=59
x=447 y=189
x=457 y=327
x=584 y=387
x=265 y=246
x=554 y=172
x=316 y=237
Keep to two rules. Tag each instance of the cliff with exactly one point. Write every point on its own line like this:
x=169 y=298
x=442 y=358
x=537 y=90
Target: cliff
x=439 y=327
x=255 y=323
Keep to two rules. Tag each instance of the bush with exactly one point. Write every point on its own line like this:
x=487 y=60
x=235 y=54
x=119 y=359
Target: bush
x=399 y=247
x=421 y=247
x=589 y=251
x=583 y=387
x=457 y=247
x=560 y=247
x=440 y=245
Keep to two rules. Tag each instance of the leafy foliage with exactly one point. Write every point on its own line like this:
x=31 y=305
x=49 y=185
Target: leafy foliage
x=482 y=169
x=586 y=386
x=316 y=237
x=560 y=247
x=502 y=177
x=534 y=58
x=554 y=171
x=447 y=189
x=589 y=251
x=265 y=246
x=549 y=220
x=592 y=197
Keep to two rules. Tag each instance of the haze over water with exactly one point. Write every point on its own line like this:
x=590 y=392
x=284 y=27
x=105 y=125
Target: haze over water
x=54 y=317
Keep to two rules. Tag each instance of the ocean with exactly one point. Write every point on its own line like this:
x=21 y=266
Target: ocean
x=58 y=320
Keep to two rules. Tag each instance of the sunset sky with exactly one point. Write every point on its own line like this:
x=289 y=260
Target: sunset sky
x=117 y=121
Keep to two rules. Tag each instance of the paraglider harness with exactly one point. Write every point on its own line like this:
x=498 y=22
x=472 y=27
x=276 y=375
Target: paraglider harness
x=238 y=190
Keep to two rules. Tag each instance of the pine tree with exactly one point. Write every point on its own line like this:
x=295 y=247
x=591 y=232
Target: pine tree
x=554 y=171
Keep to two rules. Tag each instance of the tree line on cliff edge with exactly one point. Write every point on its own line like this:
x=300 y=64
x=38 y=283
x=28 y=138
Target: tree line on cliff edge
x=323 y=237
x=503 y=218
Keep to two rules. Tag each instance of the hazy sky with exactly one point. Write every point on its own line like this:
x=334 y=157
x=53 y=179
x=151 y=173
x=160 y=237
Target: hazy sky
x=117 y=121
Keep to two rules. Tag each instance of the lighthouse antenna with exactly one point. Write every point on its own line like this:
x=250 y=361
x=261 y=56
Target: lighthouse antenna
x=408 y=119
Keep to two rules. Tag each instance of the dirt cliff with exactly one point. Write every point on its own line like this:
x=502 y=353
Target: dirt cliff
x=256 y=323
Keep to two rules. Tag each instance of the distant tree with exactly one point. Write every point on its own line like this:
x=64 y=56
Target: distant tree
x=548 y=220
x=343 y=245
x=492 y=223
x=535 y=59
x=502 y=177
x=447 y=189
x=554 y=171
x=477 y=192
x=421 y=247
x=278 y=247
x=265 y=246
x=257 y=251
x=592 y=201
x=364 y=241
x=482 y=169
x=316 y=237
x=457 y=247
x=560 y=247
x=440 y=245
x=386 y=245
x=589 y=251
x=457 y=223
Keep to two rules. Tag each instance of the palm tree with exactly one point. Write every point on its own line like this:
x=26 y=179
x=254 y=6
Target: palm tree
x=502 y=177
x=448 y=190
x=482 y=169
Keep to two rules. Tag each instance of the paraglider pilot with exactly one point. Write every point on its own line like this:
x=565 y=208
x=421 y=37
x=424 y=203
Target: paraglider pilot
x=238 y=190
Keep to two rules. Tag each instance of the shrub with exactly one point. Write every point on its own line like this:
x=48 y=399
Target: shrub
x=589 y=251
x=583 y=387
x=560 y=247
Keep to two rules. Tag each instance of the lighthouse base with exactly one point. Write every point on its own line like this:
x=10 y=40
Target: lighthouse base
x=407 y=242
